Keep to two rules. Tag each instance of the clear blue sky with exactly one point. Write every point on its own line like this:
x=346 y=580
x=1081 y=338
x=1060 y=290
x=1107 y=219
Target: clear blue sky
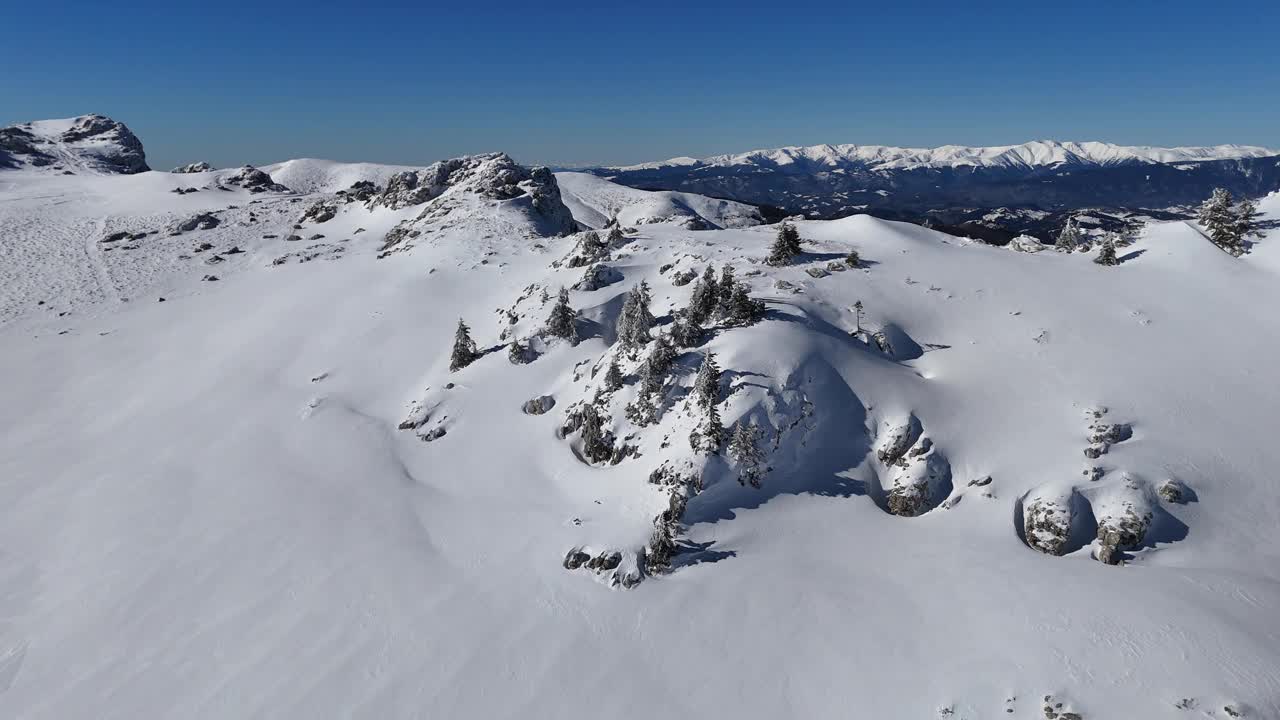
x=577 y=83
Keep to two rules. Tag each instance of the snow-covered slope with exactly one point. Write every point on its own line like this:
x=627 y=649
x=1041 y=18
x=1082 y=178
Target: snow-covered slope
x=226 y=504
x=1040 y=153
x=85 y=144
x=596 y=201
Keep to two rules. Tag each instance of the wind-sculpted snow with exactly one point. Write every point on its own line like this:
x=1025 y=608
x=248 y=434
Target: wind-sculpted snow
x=269 y=495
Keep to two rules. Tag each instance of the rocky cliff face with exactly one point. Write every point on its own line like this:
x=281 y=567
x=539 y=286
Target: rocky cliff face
x=90 y=143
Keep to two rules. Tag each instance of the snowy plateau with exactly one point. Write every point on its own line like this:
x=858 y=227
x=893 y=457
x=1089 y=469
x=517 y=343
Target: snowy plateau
x=251 y=466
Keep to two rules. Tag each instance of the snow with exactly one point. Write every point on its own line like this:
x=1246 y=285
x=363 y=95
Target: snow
x=207 y=509
x=595 y=201
x=1041 y=153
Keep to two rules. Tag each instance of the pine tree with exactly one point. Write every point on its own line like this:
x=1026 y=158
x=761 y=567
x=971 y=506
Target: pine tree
x=596 y=444
x=709 y=435
x=464 y=348
x=706 y=387
x=742 y=309
x=706 y=295
x=635 y=320
x=643 y=411
x=518 y=353
x=1221 y=223
x=613 y=376
x=615 y=235
x=661 y=356
x=724 y=292
x=1107 y=252
x=744 y=448
x=1246 y=220
x=786 y=246
x=561 y=322
x=1069 y=238
x=853 y=260
x=685 y=332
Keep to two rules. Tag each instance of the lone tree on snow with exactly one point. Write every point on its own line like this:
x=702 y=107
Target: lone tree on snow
x=561 y=322
x=1107 y=252
x=464 y=348
x=857 y=316
x=1069 y=238
x=596 y=445
x=786 y=247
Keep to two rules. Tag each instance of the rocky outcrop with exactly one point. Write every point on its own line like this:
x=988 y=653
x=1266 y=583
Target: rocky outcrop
x=448 y=191
x=1172 y=491
x=196 y=167
x=1050 y=518
x=93 y=143
x=253 y=180
x=538 y=405
x=1124 y=515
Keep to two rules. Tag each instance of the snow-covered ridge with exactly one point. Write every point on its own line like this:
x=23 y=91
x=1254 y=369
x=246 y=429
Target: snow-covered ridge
x=596 y=202
x=89 y=143
x=1040 y=153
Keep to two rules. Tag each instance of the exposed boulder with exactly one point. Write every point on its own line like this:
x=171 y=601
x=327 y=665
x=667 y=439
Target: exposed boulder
x=896 y=438
x=1124 y=515
x=200 y=221
x=538 y=405
x=1053 y=520
x=920 y=482
x=321 y=211
x=1172 y=491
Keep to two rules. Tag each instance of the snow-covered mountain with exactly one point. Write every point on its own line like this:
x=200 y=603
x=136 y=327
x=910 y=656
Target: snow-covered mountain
x=951 y=185
x=89 y=143
x=239 y=478
x=1037 y=154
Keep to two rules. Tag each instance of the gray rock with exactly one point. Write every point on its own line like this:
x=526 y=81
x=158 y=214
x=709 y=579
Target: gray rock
x=196 y=167
x=1172 y=491
x=538 y=405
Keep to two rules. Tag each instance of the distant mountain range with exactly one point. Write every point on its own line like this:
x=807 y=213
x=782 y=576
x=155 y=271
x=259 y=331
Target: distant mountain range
x=1035 y=183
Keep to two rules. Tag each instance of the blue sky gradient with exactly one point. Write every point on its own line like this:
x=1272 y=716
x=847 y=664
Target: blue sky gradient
x=586 y=83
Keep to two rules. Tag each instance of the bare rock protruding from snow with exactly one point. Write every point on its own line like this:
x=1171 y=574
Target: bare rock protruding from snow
x=1026 y=244
x=616 y=568
x=199 y=221
x=896 y=438
x=92 y=143
x=1124 y=514
x=538 y=405
x=195 y=167
x=1172 y=491
x=1053 y=519
x=254 y=180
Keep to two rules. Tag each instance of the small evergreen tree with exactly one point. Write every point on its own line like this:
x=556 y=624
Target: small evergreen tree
x=742 y=309
x=1107 y=252
x=724 y=292
x=786 y=246
x=643 y=411
x=1221 y=222
x=464 y=348
x=853 y=260
x=661 y=356
x=685 y=332
x=613 y=376
x=706 y=295
x=1069 y=238
x=744 y=448
x=635 y=320
x=518 y=353
x=706 y=387
x=615 y=235
x=597 y=446
x=1246 y=220
x=561 y=322
x=709 y=435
